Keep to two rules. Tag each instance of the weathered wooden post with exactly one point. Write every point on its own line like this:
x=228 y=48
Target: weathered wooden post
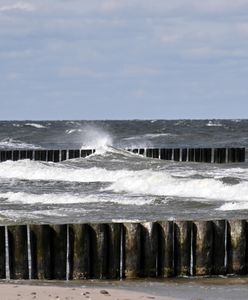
x=40 y=248
x=63 y=155
x=149 y=250
x=182 y=249
x=18 y=252
x=16 y=155
x=114 y=249
x=237 y=247
x=149 y=152
x=219 y=247
x=2 y=253
x=100 y=242
x=23 y=154
x=165 y=249
x=198 y=157
x=132 y=250
x=155 y=153
x=30 y=154
x=56 y=156
x=176 y=154
x=203 y=247
x=184 y=154
x=191 y=154
x=81 y=258
x=58 y=251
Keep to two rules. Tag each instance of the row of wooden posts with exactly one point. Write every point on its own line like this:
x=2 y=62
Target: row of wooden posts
x=124 y=250
x=207 y=155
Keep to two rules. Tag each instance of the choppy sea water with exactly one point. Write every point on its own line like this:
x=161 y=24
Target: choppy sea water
x=115 y=185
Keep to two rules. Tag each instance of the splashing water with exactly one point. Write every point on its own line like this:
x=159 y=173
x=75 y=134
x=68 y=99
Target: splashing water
x=96 y=138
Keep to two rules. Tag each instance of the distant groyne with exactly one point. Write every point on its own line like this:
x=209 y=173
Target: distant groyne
x=203 y=155
x=124 y=250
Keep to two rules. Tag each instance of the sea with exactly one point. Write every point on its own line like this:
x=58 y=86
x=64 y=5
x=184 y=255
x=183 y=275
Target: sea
x=114 y=185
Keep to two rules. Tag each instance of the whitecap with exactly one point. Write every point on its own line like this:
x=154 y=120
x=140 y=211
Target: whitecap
x=29 y=198
x=214 y=124
x=10 y=143
x=36 y=125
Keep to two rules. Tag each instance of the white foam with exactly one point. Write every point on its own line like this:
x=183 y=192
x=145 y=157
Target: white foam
x=162 y=184
x=70 y=131
x=94 y=137
x=36 y=125
x=148 y=136
x=27 y=198
x=9 y=143
x=233 y=206
x=214 y=124
x=34 y=170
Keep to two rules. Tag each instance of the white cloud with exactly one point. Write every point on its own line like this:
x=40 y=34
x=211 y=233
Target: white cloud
x=18 y=6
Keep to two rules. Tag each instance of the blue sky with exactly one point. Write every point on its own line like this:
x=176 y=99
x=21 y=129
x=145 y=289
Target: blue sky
x=122 y=59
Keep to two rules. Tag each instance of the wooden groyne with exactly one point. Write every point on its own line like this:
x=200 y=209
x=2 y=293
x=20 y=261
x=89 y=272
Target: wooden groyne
x=203 y=155
x=124 y=250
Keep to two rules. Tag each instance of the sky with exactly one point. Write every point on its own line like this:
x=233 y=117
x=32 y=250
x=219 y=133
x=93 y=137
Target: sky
x=123 y=59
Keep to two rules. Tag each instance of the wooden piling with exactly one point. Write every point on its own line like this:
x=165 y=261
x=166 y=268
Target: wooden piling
x=176 y=154
x=191 y=155
x=132 y=250
x=18 y=252
x=40 y=249
x=37 y=155
x=23 y=154
x=165 y=249
x=3 y=156
x=237 y=247
x=149 y=152
x=30 y=154
x=56 y=156
x=184 y=154
x=82 y=253
x=155 y=153
x=182 y=247
x=58 y=251
x=149 y=250
x=2 y=253
x=206 y=155
x=197 y=156
x=50 y=155
x=219 y=247
x=43 y=155
x=63 y=155
x=100 y=242
x=202 y=247
x=220 y=155
x=9 y=155
x=16 y=155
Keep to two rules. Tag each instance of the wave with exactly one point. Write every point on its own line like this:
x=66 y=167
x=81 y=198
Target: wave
x=34 y=170
x=29 y=198
x=214 y=124
x=162 y=184
x=35 y=125
x=229 y=206
x=148 y=135
x=70 y=131
x=95 y=138
x=10 y=143
x=145 y=182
